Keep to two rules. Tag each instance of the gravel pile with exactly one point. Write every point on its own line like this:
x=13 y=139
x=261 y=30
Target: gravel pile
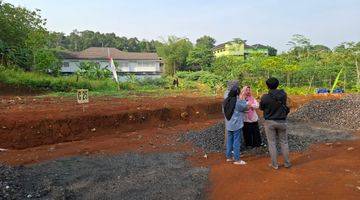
x=126 y=176
x=210 y=139
x=342 y=113
x=301 y=136
x=9 y=184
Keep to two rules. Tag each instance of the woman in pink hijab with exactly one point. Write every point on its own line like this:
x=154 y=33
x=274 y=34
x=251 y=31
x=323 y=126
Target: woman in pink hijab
x=251 y=126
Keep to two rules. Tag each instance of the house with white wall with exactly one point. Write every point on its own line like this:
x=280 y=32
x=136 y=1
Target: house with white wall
x=137 y=63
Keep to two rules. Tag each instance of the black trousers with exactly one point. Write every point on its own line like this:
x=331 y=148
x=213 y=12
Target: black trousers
x=252 y=134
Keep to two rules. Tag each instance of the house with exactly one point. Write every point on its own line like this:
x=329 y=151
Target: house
x=136 y=63
x=240 y=48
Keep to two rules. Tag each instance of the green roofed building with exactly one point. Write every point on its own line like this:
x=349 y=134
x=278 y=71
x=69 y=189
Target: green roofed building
x=240 y=48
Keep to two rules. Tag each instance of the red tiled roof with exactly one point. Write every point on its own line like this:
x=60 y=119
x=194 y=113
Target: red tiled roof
x=116 y=54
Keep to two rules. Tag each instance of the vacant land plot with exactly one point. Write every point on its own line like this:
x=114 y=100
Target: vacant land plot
x=154 y=148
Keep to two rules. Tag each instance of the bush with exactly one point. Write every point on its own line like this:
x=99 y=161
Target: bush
x=92 y=70
x=47 y=62
x=204 y=77
x=299 y=90
x=157 y=82
x=40 y=81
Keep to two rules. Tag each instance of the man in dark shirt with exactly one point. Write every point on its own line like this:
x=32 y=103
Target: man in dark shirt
x=273 y=104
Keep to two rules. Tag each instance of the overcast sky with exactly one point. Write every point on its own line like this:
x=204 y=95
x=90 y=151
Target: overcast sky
x=269 y=22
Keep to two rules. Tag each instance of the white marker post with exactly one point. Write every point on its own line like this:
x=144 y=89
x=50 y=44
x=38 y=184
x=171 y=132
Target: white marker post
x=83 y=97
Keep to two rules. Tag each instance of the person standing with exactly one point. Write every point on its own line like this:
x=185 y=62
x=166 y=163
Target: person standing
x=234 y=109
x=273 y=104
x=251 y=130
x=230 y=84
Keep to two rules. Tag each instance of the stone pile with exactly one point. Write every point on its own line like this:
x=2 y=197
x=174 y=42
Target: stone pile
x=338 y=113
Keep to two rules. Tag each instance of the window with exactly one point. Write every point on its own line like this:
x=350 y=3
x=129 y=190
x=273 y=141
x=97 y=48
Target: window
x=66 y=64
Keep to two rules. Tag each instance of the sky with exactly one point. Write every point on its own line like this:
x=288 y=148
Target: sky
x=269 y=22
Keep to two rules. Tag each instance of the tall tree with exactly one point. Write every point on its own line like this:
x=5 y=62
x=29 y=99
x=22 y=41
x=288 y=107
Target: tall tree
x=174 y=51
x=205 y=41
x=300 y=45
x=22 y=32
x=202 y=56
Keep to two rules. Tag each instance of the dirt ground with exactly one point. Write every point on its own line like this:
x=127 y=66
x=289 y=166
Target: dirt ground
x=37 y=130
x=325 y=171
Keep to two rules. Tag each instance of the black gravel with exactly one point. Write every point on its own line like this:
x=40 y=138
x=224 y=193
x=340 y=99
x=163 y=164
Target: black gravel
x=317 y=121
x=126 y=176
x=210 y=139
x=342 y=113
x=301 y=136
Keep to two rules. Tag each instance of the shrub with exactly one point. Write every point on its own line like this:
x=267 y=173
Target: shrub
x=40 y=81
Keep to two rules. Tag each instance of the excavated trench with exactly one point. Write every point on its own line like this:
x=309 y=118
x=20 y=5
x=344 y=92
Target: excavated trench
x=21 y=135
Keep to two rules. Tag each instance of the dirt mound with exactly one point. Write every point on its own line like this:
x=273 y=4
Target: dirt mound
x=129 y=176
x=21 y=129
x=341 y=113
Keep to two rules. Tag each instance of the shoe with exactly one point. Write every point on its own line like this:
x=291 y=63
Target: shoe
x=240 y=162
x=229 y=160
x=273 y=167
x=287 y=166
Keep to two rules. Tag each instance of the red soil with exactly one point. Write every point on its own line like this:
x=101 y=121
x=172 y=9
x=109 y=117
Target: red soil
x=323 y=172
x=30 y=122
x=47 y=129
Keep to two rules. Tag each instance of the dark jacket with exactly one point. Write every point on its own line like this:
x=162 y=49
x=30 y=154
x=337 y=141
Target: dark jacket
x=272 y=109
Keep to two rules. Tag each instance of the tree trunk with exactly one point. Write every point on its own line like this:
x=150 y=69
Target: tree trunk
x=344 y=80
x=174 y=68
x=358 y=73
x=288 y=79
x=310 y=82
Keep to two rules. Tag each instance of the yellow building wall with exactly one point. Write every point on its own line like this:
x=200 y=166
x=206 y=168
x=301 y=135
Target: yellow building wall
x=231 y=49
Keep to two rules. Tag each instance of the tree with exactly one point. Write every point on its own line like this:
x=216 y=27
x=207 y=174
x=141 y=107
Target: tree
x=289 y=69
x=227 y=66
x=202 y=56
x=175 y=52
x=47 y=62
x=271 y=65
x=300 y=45
x=205 y=41
x=320 y=48
x=22 y=32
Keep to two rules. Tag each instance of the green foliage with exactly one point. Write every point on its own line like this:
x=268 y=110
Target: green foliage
x=205 y=77
x=47 y=62
x=22 y=34
x=78 y=41
x=131 y=78
x=201 y=57
x=175 y=52
x=41 y=81
x=229 y=66
x=299 y=90
x=155 y=82
x=205 y=41
x=92 y=70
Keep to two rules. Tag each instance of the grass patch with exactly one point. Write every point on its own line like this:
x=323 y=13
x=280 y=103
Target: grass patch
x=44 y=82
